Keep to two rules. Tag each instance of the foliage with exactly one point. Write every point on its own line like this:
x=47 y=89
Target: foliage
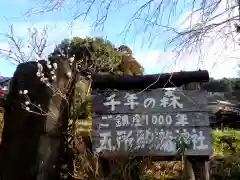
x=222 y=85
x=96 y=55
x=104 y=57
x=225 y=164
x=101 y=55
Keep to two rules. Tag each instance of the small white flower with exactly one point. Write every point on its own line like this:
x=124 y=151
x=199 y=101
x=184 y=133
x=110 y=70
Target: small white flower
x=27 y=108
x=20 y=92
x=69 y=74
x=27 y=102
x=38 y=74
x=25 y=91
x=41 y=79
x=52 y=72
x=40 y=67
x=55 y=65
x=42 y=74
x=71 y=59
x=45 y=79
x=70 y=64
x=53 y=77
x=49 y=66
x=48 y=84
x=39 y=105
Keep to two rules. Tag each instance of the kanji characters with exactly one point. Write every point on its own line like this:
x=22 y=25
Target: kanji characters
x=118 y=119
x=164 y=102
x=168 y=144
x=125 y=138
x=105 y=142
x=159 y=140
x=111 y=102
x=175 y=103
x=181 y=119
x=164 y=141
x=136 y=121
x=140 y=139
x=149 y=137
x=170 y=99
x=104 y=123
x=125 y=120
x=131 y=100
x=122 y=120
x=194 y=138
x=201 y=139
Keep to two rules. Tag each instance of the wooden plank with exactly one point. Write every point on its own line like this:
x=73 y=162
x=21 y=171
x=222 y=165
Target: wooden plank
x=151 y=101
x=153 y=141
x=163 y=120
x=155 y=80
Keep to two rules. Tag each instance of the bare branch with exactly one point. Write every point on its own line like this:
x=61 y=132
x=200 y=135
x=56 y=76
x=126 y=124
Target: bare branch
x=157 y=17
x=21 y=50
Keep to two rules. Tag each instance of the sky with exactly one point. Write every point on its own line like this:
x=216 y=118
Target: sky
x=215 y=56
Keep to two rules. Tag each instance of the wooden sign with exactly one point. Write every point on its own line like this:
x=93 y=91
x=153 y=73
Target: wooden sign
x=151 y=122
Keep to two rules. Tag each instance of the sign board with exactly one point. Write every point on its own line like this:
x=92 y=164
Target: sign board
x=151 y=122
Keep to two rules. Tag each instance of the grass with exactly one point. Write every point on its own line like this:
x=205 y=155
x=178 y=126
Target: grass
x=225 y=161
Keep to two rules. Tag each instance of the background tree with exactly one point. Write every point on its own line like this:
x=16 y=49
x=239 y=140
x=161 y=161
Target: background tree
x=102 y=55
x=222 y=85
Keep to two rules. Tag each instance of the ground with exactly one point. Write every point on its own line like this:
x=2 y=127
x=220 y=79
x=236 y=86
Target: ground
x=225 y=162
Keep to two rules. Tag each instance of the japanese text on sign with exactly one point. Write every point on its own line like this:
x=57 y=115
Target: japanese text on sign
x=168 y=100
x=128 y=121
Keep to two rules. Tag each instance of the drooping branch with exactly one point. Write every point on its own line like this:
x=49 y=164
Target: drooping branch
x=200 y=18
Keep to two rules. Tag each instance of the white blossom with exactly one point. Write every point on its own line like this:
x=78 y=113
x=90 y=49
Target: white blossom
x=38 y=74
x=52 y=72
x=25 y=91
x=53 y=77
x=69 y=74
x=20 y=92
x=40 y=67
x=27 y=102
x=55 y=65
x=49 y=66
x=27 y=108
x=48 y=84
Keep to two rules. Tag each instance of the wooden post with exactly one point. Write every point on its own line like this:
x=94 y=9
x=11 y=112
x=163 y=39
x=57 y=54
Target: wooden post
x=188 y=171
x=199 y=168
